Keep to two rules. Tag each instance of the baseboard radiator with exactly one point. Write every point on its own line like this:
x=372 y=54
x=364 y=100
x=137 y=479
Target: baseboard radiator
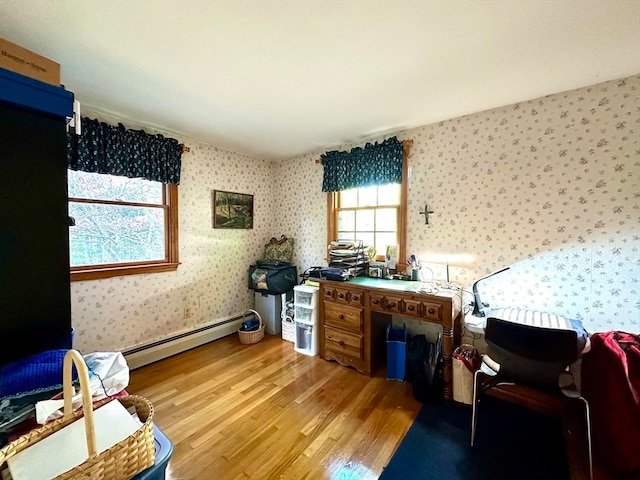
x=152 y=352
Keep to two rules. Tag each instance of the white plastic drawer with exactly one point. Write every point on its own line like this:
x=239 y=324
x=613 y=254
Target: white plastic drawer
x=306 y=315
x=305 y=295
x=304 y=298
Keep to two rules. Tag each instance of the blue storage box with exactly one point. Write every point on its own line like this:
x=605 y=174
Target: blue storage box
x=164 y=450
x=396 y=353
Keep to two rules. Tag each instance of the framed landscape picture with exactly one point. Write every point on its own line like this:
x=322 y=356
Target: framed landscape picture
x=232 y=210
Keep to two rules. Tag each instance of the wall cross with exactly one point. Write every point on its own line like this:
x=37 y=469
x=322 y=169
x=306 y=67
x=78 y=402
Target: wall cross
x=426 y=213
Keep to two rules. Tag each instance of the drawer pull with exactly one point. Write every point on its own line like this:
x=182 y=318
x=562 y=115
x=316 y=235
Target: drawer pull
x=391 y=304
x=431 y=311
x=375 y=302
x=327 y=293
x=341 y=343
x=341 y=317
x=341 y=295
x=355 y=297
x=411 y=308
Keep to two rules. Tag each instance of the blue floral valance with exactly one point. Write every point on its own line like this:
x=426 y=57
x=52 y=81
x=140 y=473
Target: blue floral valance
x=104 y=148
x=377 y=164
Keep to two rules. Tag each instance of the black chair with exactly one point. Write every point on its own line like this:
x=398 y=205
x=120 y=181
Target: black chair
x=534 y=358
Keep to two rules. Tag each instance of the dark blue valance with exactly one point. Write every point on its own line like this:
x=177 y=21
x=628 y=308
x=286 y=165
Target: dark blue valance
x=104 y=148
x=377 y=164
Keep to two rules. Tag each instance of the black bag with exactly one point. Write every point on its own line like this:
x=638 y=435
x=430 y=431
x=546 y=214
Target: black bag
x=424 y=367
x=272 y=277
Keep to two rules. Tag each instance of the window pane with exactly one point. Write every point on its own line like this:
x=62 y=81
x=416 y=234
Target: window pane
x=349 y=198
x=106 y=234
x=389 y=194
x=386 y=219
x=346 y=220
x=367 y=239
x=96 y=186
x=350 y=235
x=367 y=196
x=364 y=220
x=384 y=239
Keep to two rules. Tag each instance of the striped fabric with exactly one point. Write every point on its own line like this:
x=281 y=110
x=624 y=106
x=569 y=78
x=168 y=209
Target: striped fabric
x=533 y=318
x=544 y=320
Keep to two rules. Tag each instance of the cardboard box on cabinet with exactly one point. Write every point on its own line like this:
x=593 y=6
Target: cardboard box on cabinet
x=25 y=62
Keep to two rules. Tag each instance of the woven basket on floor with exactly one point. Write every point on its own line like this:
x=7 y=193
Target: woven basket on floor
x=288 y=329
x=253 y=336
x=123 y=460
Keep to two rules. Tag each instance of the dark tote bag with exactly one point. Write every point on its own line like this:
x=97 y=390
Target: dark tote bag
x=424 y=368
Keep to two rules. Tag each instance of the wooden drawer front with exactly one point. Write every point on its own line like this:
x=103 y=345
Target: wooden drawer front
x=329 y=293
x=342 y=316
x=376 y=301
x=432 y=311
x=343 y=295
x=411 y=307
x=391 y=304
x=344 y=343
x=384 y=303
x=356 y=297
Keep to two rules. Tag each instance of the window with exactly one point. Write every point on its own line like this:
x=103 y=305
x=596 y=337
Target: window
x=369 y=214
x=122 y=225
x=374 y=215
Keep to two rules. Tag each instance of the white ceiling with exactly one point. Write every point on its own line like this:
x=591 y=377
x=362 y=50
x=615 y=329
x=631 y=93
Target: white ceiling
x=274 y=78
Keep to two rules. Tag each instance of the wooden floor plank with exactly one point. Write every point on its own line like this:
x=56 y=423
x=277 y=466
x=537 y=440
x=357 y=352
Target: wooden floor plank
x=263 y=411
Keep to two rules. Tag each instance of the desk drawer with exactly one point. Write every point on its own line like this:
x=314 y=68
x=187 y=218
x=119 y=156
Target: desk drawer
x=385 y=303
x=342 y=316
x=411 y=307
x=344 y=343
x=343 y=295
x=432 y=311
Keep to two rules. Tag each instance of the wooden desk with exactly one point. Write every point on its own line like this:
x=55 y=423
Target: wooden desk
x=354 y=316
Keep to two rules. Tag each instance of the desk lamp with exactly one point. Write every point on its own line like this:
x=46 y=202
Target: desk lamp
x=479 y=308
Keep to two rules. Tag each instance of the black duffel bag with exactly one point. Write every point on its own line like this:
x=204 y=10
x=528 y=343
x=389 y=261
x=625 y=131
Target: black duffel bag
x=272 y=277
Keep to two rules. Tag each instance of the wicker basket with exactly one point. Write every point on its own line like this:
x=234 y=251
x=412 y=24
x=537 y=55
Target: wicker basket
x=120 y=462
x=288 y=329
x=254 y=336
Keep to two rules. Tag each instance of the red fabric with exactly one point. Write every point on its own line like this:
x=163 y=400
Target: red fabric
x=611 y=384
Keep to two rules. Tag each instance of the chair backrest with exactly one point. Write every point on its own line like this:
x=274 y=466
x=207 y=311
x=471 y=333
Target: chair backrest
x=529 y=355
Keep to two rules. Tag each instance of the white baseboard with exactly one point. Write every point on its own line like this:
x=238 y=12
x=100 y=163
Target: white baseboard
x=153 y=352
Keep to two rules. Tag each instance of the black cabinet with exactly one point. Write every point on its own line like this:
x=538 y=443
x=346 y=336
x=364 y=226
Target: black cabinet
x=35 y=305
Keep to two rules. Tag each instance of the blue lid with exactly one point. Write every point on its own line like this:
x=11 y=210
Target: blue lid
x=31 y=94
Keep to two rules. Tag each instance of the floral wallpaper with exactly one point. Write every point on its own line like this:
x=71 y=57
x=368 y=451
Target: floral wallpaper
x=125 y=312
x=548 y=187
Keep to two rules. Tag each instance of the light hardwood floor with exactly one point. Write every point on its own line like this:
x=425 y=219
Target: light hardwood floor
x=263 y=411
